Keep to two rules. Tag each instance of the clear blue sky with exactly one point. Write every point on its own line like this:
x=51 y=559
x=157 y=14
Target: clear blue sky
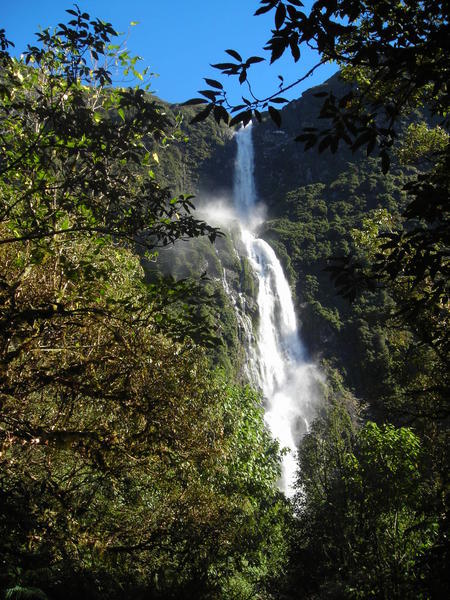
x=178 y=39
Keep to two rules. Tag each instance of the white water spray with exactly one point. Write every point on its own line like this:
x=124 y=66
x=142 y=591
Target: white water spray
x=288 y=383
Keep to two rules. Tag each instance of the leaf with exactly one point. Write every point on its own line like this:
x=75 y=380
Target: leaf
x=194 y=102
x=371 y=146
x=324 y=143
x=213 y=83
x=243 y=76
x=234 y=54
x=366 y=137
x=121 y=113
x=295 y=50
x=280 y=15
x=278 y=48
x=65 y=223
x=221 y=114
x=385 y=161
x=263 y=10
x=254 y=59
x=222 y=66
x=247 y=117
x=208 y=94
x=334 y=144
x=202 y=115
x=275 y=115
x=258 y=115
x=294 y=14
x=243 y=117
x=236 y=119
x=279 y=100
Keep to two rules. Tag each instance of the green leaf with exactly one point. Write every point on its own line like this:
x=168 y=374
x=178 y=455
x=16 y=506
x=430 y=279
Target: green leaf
x=65 y=224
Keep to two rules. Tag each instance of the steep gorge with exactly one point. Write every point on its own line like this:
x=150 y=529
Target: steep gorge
x=314 y=202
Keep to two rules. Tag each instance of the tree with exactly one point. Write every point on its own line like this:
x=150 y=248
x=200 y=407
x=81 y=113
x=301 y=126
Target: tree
x=127 y=466
x=75 y=165
x=396 y=55
x=364 y=524
x=76 y=154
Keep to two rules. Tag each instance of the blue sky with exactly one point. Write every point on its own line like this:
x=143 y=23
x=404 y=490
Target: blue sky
x=177 y=39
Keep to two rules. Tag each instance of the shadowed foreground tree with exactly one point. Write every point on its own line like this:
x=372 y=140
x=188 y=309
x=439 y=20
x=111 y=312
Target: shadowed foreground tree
x=364 y=524
x=396 y=54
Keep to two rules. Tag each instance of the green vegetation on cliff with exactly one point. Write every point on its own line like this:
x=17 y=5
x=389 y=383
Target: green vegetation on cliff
x=133 y=463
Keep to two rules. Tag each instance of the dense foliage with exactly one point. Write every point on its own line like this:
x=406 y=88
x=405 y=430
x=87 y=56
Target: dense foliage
x=128 y=466
x=391 y=346
x=365 y=524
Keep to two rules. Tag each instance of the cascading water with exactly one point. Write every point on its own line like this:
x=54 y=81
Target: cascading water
x=287 y=381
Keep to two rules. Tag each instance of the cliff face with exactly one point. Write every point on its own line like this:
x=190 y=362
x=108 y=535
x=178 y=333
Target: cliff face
x=281 y=163
x=315 y=201
x=203 y=162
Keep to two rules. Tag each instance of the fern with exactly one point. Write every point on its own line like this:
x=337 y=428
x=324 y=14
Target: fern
x=25 y=593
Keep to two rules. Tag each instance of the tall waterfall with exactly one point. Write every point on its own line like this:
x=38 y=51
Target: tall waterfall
x=288 y=382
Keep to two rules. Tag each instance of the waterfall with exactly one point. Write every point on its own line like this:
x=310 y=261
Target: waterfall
x=287 y=381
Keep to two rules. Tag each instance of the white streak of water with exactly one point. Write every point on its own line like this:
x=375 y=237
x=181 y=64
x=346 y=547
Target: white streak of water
x=288 y=382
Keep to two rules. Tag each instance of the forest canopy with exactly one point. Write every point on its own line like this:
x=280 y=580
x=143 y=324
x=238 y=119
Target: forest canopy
x=132 y=465
x=128 y=464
